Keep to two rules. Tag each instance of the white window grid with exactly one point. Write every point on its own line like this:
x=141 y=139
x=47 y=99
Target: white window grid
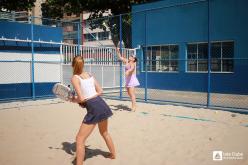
x=197 y=59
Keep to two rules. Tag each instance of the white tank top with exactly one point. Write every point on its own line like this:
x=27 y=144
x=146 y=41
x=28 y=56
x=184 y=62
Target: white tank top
x=87 y=87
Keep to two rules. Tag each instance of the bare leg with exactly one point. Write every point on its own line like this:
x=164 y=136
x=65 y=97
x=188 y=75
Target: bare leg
x=128 y=91
x=133 y=98
x=84 y=131
x=103 y=129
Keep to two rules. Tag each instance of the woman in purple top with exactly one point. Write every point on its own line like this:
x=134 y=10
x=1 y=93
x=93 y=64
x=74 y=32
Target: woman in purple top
x=131 y=79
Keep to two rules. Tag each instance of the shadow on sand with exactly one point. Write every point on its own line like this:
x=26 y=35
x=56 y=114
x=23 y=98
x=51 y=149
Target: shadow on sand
x=120 y=107
x=70 y=148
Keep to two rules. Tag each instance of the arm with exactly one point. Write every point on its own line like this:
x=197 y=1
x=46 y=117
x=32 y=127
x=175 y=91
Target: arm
x=98 y=88
x=123 y=59
x=76 y=84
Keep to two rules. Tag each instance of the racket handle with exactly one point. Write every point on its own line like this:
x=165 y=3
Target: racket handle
x=73 y=93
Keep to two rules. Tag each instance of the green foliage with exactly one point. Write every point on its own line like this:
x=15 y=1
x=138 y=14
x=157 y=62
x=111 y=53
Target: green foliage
x=16 y=5
x=56 y=9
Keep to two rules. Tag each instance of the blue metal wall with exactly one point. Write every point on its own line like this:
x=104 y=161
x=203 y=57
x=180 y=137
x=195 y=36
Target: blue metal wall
x=11 y=30
x=184 y=21
x=23 y=31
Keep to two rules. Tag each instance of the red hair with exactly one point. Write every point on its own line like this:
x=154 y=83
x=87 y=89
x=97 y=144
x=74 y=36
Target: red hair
x=78 y=65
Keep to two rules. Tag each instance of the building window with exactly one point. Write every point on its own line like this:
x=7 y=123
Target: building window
x=163 y=58
x=197 y=55
x=90 y=37
x=103 y=35
x=70 y=35
x=75 y=26
x=222 y=54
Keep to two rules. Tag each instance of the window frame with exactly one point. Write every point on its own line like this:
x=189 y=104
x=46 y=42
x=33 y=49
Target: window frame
x=92 y=38
x=105 y=35
x=221 y=58
x=160 y=61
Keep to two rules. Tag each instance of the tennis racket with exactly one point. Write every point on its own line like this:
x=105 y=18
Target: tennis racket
x=62 y=91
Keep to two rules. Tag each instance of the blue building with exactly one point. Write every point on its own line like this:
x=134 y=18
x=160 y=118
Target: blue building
x=174 y=35
x=22 y=76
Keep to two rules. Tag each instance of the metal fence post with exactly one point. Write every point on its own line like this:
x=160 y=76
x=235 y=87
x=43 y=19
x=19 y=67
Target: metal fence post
x=145 y=59
x=120 y=31
x=32 y=62
x=209 y=60
x=78 y=38
x=83 y=26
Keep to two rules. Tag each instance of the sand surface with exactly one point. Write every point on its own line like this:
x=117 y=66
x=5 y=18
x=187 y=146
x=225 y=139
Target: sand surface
x=43 y=133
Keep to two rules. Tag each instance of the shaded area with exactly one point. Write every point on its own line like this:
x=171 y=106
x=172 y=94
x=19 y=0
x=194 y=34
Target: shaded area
x=217 y=100
x=70 y=148
x=120 y=107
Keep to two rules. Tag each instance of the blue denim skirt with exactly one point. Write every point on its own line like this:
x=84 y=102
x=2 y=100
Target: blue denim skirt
x=97 y=111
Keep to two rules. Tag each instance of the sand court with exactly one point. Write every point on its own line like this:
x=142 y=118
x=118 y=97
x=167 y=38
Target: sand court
x=43 y=132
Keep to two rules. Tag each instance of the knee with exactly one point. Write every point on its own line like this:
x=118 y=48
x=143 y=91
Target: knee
x=132 y=95
x=104 y=134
